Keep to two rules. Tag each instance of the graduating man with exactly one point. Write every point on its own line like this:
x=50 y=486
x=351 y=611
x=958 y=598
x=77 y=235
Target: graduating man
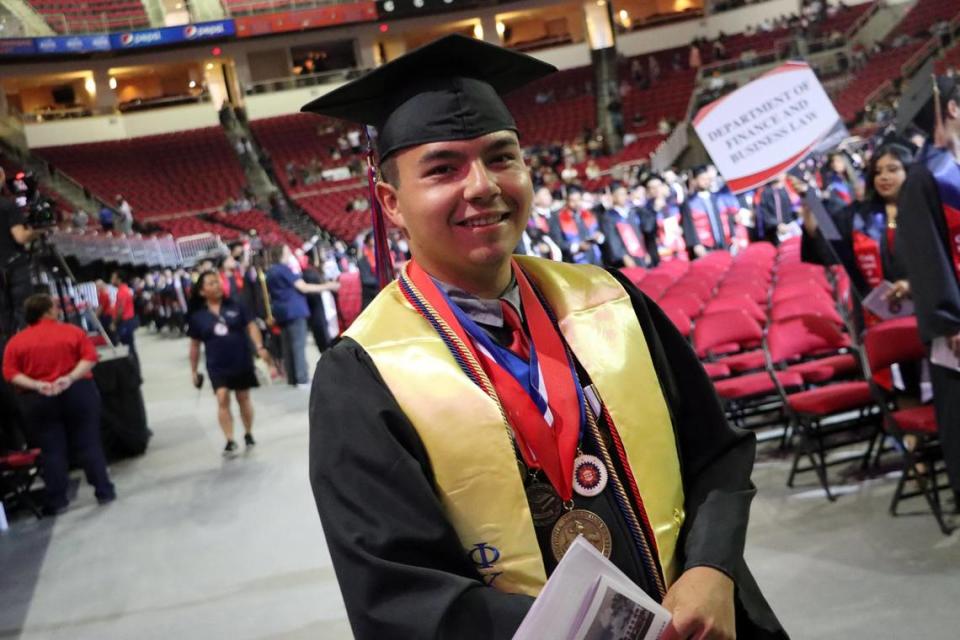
x=485 y=407
x=774 y=210
x=536 y=240
x=928 y=242
x=621 y=226
x=577 y=231
x=706 y=225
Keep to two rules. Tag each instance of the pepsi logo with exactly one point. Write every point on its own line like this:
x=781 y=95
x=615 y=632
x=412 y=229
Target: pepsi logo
x=126 y=39
x=190 y=31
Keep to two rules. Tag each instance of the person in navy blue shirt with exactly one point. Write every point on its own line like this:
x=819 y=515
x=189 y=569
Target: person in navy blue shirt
x=288 y=301
x=230 y=337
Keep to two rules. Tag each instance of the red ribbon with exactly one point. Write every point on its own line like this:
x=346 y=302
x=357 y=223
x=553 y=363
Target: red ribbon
x=551 y=448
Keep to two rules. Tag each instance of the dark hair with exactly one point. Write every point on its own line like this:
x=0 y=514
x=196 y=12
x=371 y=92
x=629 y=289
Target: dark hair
x=389 y=171
x=196 y=296
x=37 y=306
x=275 y=253
x=900 y=153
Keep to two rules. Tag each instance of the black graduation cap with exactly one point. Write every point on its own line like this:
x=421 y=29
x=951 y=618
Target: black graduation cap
x=916 y=104
x=447 y=90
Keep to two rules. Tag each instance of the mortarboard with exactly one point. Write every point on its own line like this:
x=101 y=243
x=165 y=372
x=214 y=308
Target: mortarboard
x=447 y=90
x=917 y=104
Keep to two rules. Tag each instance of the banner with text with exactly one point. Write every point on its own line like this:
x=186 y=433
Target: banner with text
x=768 y=126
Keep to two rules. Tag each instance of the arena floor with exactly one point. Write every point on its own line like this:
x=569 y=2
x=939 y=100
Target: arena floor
x=198 y=547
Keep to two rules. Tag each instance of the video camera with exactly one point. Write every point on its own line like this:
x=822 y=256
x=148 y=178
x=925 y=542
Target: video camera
x=42 y=214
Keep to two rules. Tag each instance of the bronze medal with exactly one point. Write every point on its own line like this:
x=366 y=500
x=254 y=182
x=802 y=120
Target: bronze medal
x=545 y=504
x=580 y=522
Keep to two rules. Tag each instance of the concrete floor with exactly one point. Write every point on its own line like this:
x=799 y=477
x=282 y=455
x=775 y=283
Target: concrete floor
x=199 y=547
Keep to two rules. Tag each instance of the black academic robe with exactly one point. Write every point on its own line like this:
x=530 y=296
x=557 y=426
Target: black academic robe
x=773 y=208
x=614 y=247
x=400 y=565
x=856 y=216
x=369 y=282
x=922 y=242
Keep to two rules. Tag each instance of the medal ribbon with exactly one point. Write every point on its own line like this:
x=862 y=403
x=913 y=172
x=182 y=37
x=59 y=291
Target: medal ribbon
x=541 y=397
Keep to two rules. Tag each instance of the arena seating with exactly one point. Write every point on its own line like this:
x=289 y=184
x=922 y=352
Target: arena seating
x=297 y=138
x=262 y=6
x=329 y=211
x=880 y=68
x=951 y=59
x=91 y=16
x=266 y=227
x=193 y=225
x=924 y=14
x=159 y=175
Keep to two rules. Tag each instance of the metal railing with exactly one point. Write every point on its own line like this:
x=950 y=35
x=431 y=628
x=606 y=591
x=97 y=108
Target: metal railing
x=135 y=250
x=235 y=8
x=305 y=80
x=95 y=23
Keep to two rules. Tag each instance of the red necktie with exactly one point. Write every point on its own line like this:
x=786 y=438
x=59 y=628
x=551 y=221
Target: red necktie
x=511 y=320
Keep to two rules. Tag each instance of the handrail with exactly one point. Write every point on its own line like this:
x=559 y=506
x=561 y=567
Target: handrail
x=94 y=23
x=916 y=61
x=304 y=80
x=269 y=6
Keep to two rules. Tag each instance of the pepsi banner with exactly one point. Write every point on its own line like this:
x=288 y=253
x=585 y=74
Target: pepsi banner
x=53 y=45
x=215 y=30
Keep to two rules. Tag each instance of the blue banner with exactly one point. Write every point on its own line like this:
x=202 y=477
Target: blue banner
x=72 y=44
x=172 y=35
x=17 y=47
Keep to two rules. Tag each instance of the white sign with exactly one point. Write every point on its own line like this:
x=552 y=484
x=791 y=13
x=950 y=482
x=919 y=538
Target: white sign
x=768 y=126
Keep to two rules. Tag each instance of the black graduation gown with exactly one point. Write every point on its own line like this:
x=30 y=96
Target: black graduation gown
x=816 y=248
x=400 y=565
x=922 y=242
x=614 y=247
x=369 y=283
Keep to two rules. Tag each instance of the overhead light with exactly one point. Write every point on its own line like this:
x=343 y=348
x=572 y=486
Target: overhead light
x=601 y=3
x=501 y=28
x=624 y=15
x=388 y=6
x=478 y=31
x=113 y=82
x=209 y=66
x=384 y=28
x=418 y=4
x=91 y=85
x=193 y=84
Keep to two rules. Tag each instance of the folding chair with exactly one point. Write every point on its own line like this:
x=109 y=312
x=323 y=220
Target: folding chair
x=829 y=417
x=634 y=274
x=18 y=471
x=689 y=303
x=803 y=306
x=733 y=302
x=897 y=341
x=679 y=319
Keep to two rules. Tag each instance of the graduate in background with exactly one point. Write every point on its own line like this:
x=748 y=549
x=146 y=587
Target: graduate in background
x=621 y=224
x=774 y=210
x=576 y=231
x=474 y=419
x=928 y=239
x=867 y=248
x=536 y=240
x=663 y=212
x=706 y=223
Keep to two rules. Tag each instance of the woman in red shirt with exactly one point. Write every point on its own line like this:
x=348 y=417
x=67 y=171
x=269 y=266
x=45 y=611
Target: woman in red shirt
x=50 y=362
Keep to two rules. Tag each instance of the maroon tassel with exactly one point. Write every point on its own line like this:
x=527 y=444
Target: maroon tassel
x=385 y=272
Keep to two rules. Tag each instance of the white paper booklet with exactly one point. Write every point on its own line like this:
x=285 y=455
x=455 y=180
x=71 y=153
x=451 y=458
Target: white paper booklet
x=886 y=309
x=943 y=355
x=588 y=598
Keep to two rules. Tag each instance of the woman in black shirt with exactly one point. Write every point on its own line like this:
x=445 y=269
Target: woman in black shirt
x=226 y=330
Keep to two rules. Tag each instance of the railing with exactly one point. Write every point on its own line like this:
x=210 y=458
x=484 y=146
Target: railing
x=82 y=111
x=102 y=23
x=670 y=149
x=270 y=6
x=136 y=250
x=308 y=80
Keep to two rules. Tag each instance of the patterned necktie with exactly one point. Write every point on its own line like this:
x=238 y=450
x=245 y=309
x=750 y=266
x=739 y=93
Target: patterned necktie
x=511 y=320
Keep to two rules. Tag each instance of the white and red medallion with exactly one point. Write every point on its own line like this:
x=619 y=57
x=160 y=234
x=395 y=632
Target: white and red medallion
x=589 y=476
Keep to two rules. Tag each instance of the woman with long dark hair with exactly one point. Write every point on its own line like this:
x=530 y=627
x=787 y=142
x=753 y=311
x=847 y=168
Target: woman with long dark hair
x=867 y=248
x=230 y=337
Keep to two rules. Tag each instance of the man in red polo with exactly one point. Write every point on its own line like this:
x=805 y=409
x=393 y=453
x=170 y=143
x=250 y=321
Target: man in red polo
x=50 y=363
x=124 y=321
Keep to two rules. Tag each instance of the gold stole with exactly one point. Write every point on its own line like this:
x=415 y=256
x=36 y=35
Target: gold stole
x=466 y=438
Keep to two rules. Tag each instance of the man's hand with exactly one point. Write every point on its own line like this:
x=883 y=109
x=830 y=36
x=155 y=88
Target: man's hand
x=699 y=250
x=900 y=290
x=45 y=389
x=701 y=602
x=628 y=261
x=783 y=229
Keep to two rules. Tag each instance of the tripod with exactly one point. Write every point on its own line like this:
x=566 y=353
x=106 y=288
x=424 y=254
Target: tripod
x=50 y=272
